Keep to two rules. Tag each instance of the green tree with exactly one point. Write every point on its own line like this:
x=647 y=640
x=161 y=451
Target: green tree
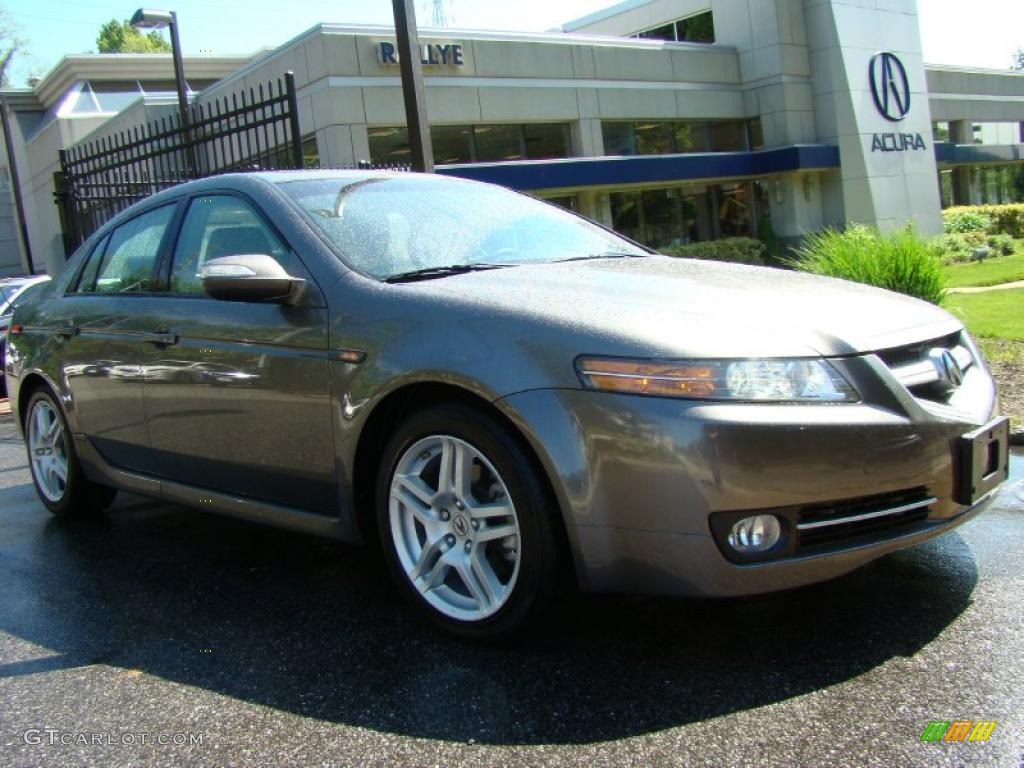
x=120 y=37
x=12 y=44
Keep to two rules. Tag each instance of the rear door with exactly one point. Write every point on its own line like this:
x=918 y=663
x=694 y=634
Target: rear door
x=99 y=332
x=237 y=397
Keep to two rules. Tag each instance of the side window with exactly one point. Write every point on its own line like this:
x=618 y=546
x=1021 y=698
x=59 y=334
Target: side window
x=87 y=280
x=130 y=259
x=221 y=225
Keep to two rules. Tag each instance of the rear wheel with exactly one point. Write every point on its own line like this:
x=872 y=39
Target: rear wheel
x=56 y=472
x=466 y=524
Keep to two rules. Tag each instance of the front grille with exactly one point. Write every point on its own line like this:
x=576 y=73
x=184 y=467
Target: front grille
x=919 y=368
x=844 y=522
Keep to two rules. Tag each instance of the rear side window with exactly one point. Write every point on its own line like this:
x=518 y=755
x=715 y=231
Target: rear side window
x=87 y=279
x=128 y=264
x=221 y=225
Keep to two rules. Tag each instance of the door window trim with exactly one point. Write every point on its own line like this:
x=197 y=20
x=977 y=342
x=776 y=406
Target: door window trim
x=160 y=287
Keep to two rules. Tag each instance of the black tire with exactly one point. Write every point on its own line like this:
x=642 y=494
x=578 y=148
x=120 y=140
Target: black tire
x=81 y=497
x=541 y=559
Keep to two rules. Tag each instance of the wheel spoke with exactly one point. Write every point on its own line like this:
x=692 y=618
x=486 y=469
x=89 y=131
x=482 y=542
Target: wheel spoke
x=413 y=494
x=496 y=532
x=429 y=560
x=40 y=421
x=53 y=431
x=60 y=470
x=456 y=468
x=479 y=579
x=500 y=508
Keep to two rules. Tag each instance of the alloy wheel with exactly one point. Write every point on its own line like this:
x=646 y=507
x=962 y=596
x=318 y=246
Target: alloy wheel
x=48 y=451
x=454 y=527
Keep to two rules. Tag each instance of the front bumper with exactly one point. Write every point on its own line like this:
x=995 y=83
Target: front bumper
x=639 y=478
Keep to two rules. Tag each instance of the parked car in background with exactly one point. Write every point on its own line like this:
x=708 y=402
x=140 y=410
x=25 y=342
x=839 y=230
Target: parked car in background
x=499 y=391
x=12 y=290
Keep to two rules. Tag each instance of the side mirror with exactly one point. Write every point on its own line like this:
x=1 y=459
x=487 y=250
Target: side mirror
x=249 y=277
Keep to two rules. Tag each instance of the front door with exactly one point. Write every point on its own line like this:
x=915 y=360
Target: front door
x=237 y=396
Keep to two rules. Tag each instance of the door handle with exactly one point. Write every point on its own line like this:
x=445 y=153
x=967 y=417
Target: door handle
x=160 y=339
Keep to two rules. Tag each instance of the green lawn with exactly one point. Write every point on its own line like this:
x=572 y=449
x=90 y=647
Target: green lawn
x=992 y=314
x=991 y=271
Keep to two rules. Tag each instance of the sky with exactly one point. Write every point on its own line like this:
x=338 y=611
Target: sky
x=986 y=35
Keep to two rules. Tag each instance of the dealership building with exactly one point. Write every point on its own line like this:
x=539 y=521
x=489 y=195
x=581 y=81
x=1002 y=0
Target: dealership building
x=671 y=121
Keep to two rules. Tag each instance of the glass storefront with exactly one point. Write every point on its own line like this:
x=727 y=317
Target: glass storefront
x=475 y=144
x=1001 y=184
x=660 y=218
x=669 y=137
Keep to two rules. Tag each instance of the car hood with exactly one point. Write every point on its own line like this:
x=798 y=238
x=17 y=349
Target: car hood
x=663 y=306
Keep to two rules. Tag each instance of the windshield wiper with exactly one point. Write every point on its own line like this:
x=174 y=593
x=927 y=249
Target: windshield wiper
x=429 y=273
x=605 y=255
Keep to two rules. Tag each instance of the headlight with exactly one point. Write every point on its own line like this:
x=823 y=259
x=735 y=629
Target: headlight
x=800 y=380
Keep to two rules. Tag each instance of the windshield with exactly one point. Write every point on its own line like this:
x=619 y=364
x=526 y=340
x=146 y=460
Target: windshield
x=394 y=225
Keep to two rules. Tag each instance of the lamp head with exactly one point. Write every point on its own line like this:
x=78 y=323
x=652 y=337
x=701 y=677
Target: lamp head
x=148 y=18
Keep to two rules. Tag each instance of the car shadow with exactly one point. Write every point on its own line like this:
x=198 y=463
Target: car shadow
x=314 y=628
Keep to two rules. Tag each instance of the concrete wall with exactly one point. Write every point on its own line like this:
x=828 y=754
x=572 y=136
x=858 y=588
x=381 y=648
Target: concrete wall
x=979 y=95
x=506 y=78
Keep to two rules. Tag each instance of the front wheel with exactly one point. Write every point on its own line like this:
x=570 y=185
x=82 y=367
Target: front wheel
x=56 y=472
x=466 y=523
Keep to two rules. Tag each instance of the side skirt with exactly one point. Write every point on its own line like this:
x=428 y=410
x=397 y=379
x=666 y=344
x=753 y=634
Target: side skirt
x=98 y=470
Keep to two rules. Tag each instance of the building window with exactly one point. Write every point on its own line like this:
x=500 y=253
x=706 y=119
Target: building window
x=310 y=151
x=653 y=137
x=734 y=214
x=546 y=141
x=940 y=131
x=454 y=144
x=699 y=28
x=661 y=218
x=946 y=188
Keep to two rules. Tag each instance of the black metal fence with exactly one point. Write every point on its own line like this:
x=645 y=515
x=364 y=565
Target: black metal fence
x=241 y=132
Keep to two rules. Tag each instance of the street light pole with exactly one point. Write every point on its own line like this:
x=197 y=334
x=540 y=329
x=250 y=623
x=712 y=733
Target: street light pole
x=407 y=43
x=179 y=73
x=146 y=18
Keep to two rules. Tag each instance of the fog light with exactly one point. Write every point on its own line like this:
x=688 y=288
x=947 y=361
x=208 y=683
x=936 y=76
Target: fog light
x=755 y=534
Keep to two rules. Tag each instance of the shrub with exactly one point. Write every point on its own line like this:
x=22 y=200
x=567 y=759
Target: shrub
x=965 y=220
x=739 y=250
x=900 y=261
x=958 y=247
x=1003 y=219
x=1001 y=245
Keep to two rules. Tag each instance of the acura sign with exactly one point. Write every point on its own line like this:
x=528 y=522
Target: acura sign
x=890 y=90
x=889 y=86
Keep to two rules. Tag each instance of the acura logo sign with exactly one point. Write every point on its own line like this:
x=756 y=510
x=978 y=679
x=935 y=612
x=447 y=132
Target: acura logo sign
x=947 y=367
x=889 y=86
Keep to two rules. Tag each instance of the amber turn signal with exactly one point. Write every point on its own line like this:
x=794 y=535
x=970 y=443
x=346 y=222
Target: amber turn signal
x=648 y=378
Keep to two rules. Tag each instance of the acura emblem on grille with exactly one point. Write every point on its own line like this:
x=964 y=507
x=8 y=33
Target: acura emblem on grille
x=946 y=366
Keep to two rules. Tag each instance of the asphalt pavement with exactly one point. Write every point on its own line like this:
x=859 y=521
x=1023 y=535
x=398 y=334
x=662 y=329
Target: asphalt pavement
x=160 y=635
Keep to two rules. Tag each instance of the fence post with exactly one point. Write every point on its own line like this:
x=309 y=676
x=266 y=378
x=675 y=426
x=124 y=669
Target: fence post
x=62 y=195
x=293 y=119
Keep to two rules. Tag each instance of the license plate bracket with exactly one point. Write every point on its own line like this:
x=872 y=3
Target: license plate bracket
x=984 y=460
